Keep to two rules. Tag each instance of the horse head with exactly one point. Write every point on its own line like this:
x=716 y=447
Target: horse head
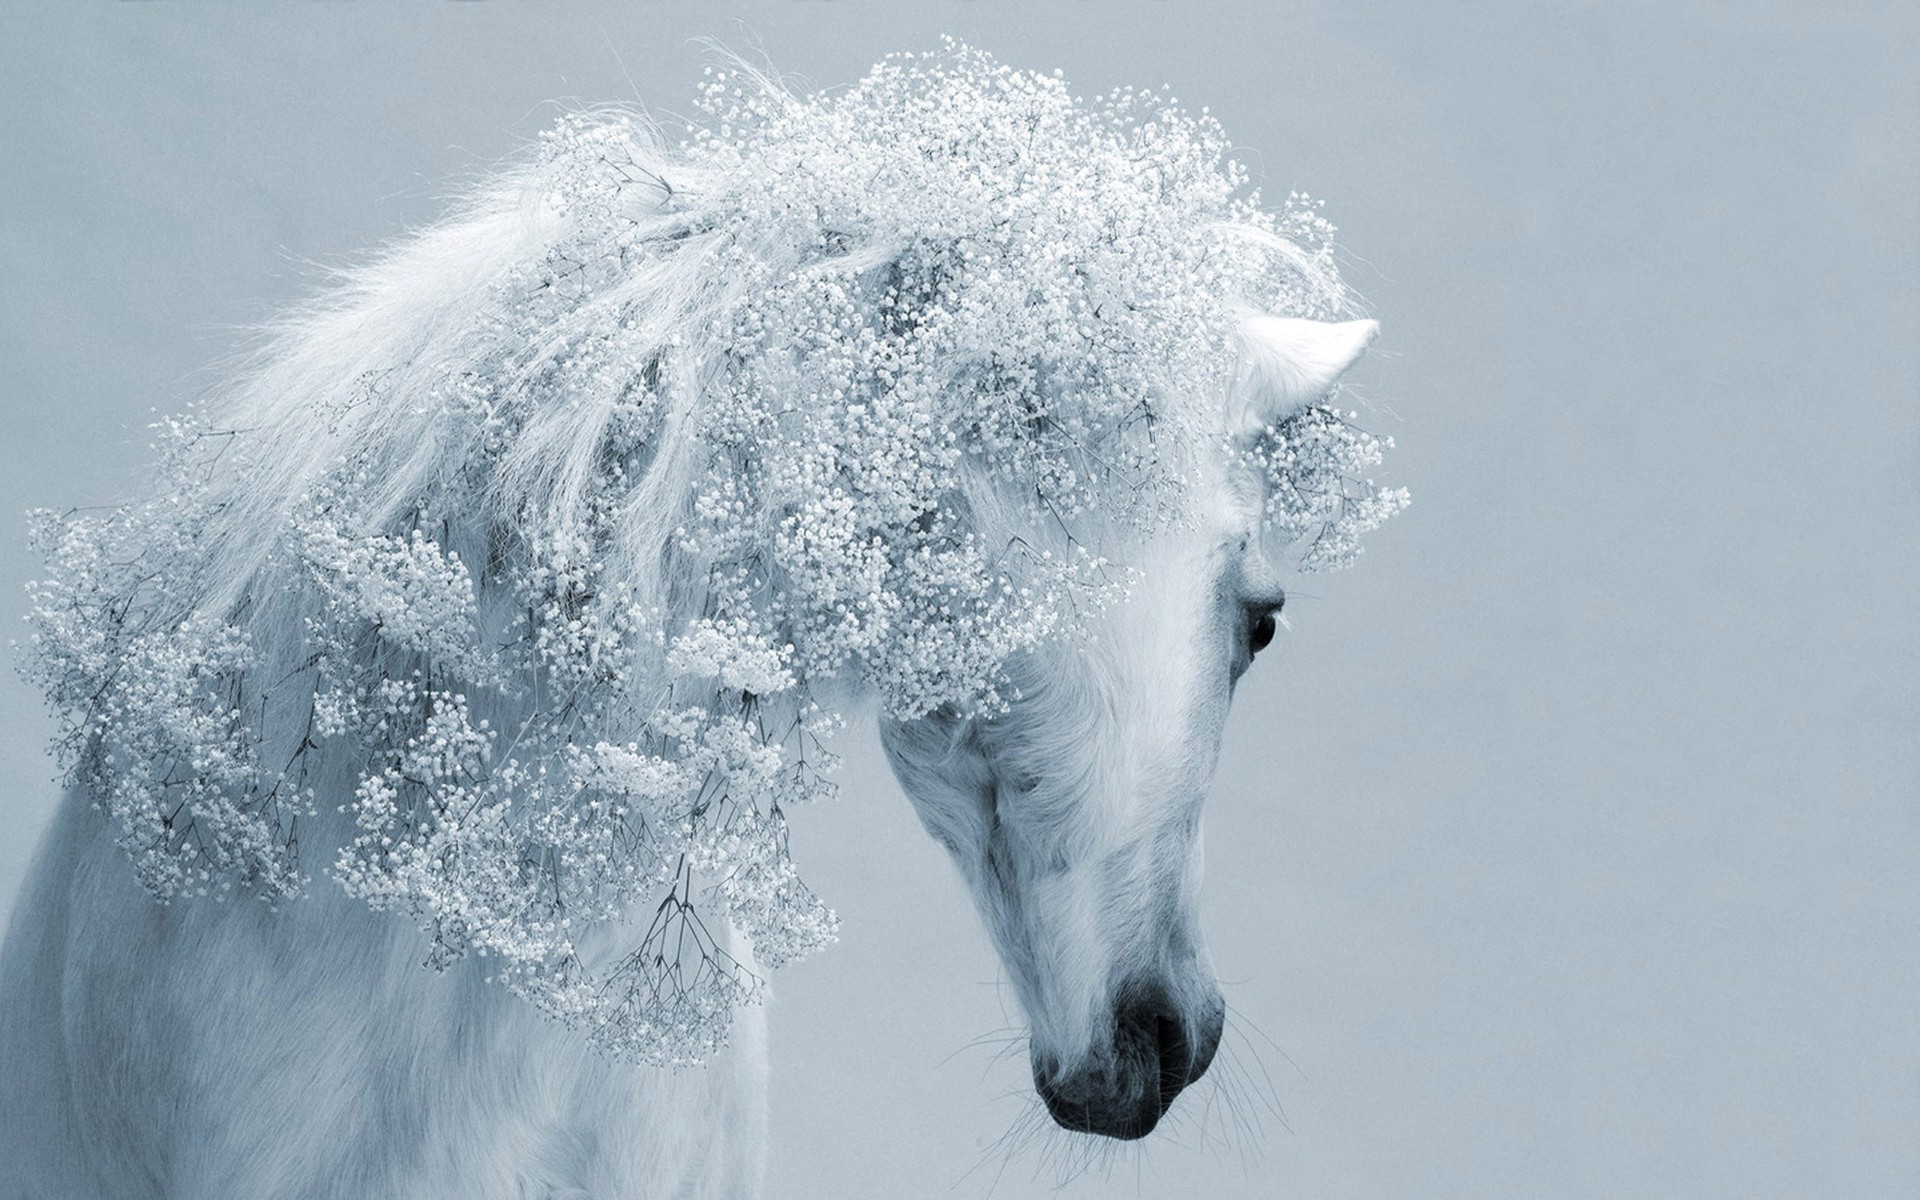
x=1074 y=816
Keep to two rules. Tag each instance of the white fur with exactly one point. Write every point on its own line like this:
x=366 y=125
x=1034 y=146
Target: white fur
x=220 y=1051
x=1075 y=819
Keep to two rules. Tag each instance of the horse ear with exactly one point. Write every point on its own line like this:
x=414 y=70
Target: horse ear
x=1287 y=363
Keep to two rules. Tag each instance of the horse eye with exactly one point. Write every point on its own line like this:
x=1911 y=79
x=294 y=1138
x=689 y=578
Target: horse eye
x=1260 y=627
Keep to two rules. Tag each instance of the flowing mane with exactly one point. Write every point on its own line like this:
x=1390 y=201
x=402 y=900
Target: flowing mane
x=520 y=583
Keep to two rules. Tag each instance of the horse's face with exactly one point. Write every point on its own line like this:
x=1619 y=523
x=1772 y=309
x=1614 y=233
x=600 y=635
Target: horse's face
x=1076 y=820
x=1075 y=817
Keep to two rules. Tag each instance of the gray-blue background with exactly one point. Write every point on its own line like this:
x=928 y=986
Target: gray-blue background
x=1567 y=848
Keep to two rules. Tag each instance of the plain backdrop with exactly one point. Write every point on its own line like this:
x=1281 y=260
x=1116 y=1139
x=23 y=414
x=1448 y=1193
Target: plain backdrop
x=1566 y=848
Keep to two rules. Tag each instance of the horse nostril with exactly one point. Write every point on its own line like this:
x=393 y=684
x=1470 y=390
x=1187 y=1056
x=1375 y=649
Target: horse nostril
x=1164 y=1048
x=1174 y=1051
x=1176 y=1058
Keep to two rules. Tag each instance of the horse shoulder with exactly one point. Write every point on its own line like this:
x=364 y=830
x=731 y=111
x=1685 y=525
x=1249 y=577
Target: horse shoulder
x=38 y=1140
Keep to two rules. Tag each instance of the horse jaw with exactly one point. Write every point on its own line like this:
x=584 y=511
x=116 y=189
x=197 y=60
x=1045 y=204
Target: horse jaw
x=1075 y=819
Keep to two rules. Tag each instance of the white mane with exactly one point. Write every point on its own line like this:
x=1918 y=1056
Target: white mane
x=558 y=536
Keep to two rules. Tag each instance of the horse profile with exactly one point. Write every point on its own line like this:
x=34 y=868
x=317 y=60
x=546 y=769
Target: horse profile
x=518 y=586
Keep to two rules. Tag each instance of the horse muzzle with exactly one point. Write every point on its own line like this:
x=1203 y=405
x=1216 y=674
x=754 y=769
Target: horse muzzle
x=1123 y=1089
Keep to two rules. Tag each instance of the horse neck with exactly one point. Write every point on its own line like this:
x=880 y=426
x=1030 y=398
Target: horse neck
x=199 y=1024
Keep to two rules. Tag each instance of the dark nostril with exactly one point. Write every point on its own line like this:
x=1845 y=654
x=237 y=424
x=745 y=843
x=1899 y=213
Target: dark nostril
x=1161 y=1040
x=1176 y=1063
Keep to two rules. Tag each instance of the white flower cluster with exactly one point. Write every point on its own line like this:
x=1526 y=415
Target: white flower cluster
x=157 y=728
x=994 y=284
x=1318 y=497
x=833 y=400
x=409 y=590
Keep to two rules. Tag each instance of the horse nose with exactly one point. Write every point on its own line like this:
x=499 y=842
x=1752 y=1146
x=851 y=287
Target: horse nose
x=1155 y=1053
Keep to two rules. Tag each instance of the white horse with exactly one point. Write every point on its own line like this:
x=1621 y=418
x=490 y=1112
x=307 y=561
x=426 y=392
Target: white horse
x=203 y=1049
